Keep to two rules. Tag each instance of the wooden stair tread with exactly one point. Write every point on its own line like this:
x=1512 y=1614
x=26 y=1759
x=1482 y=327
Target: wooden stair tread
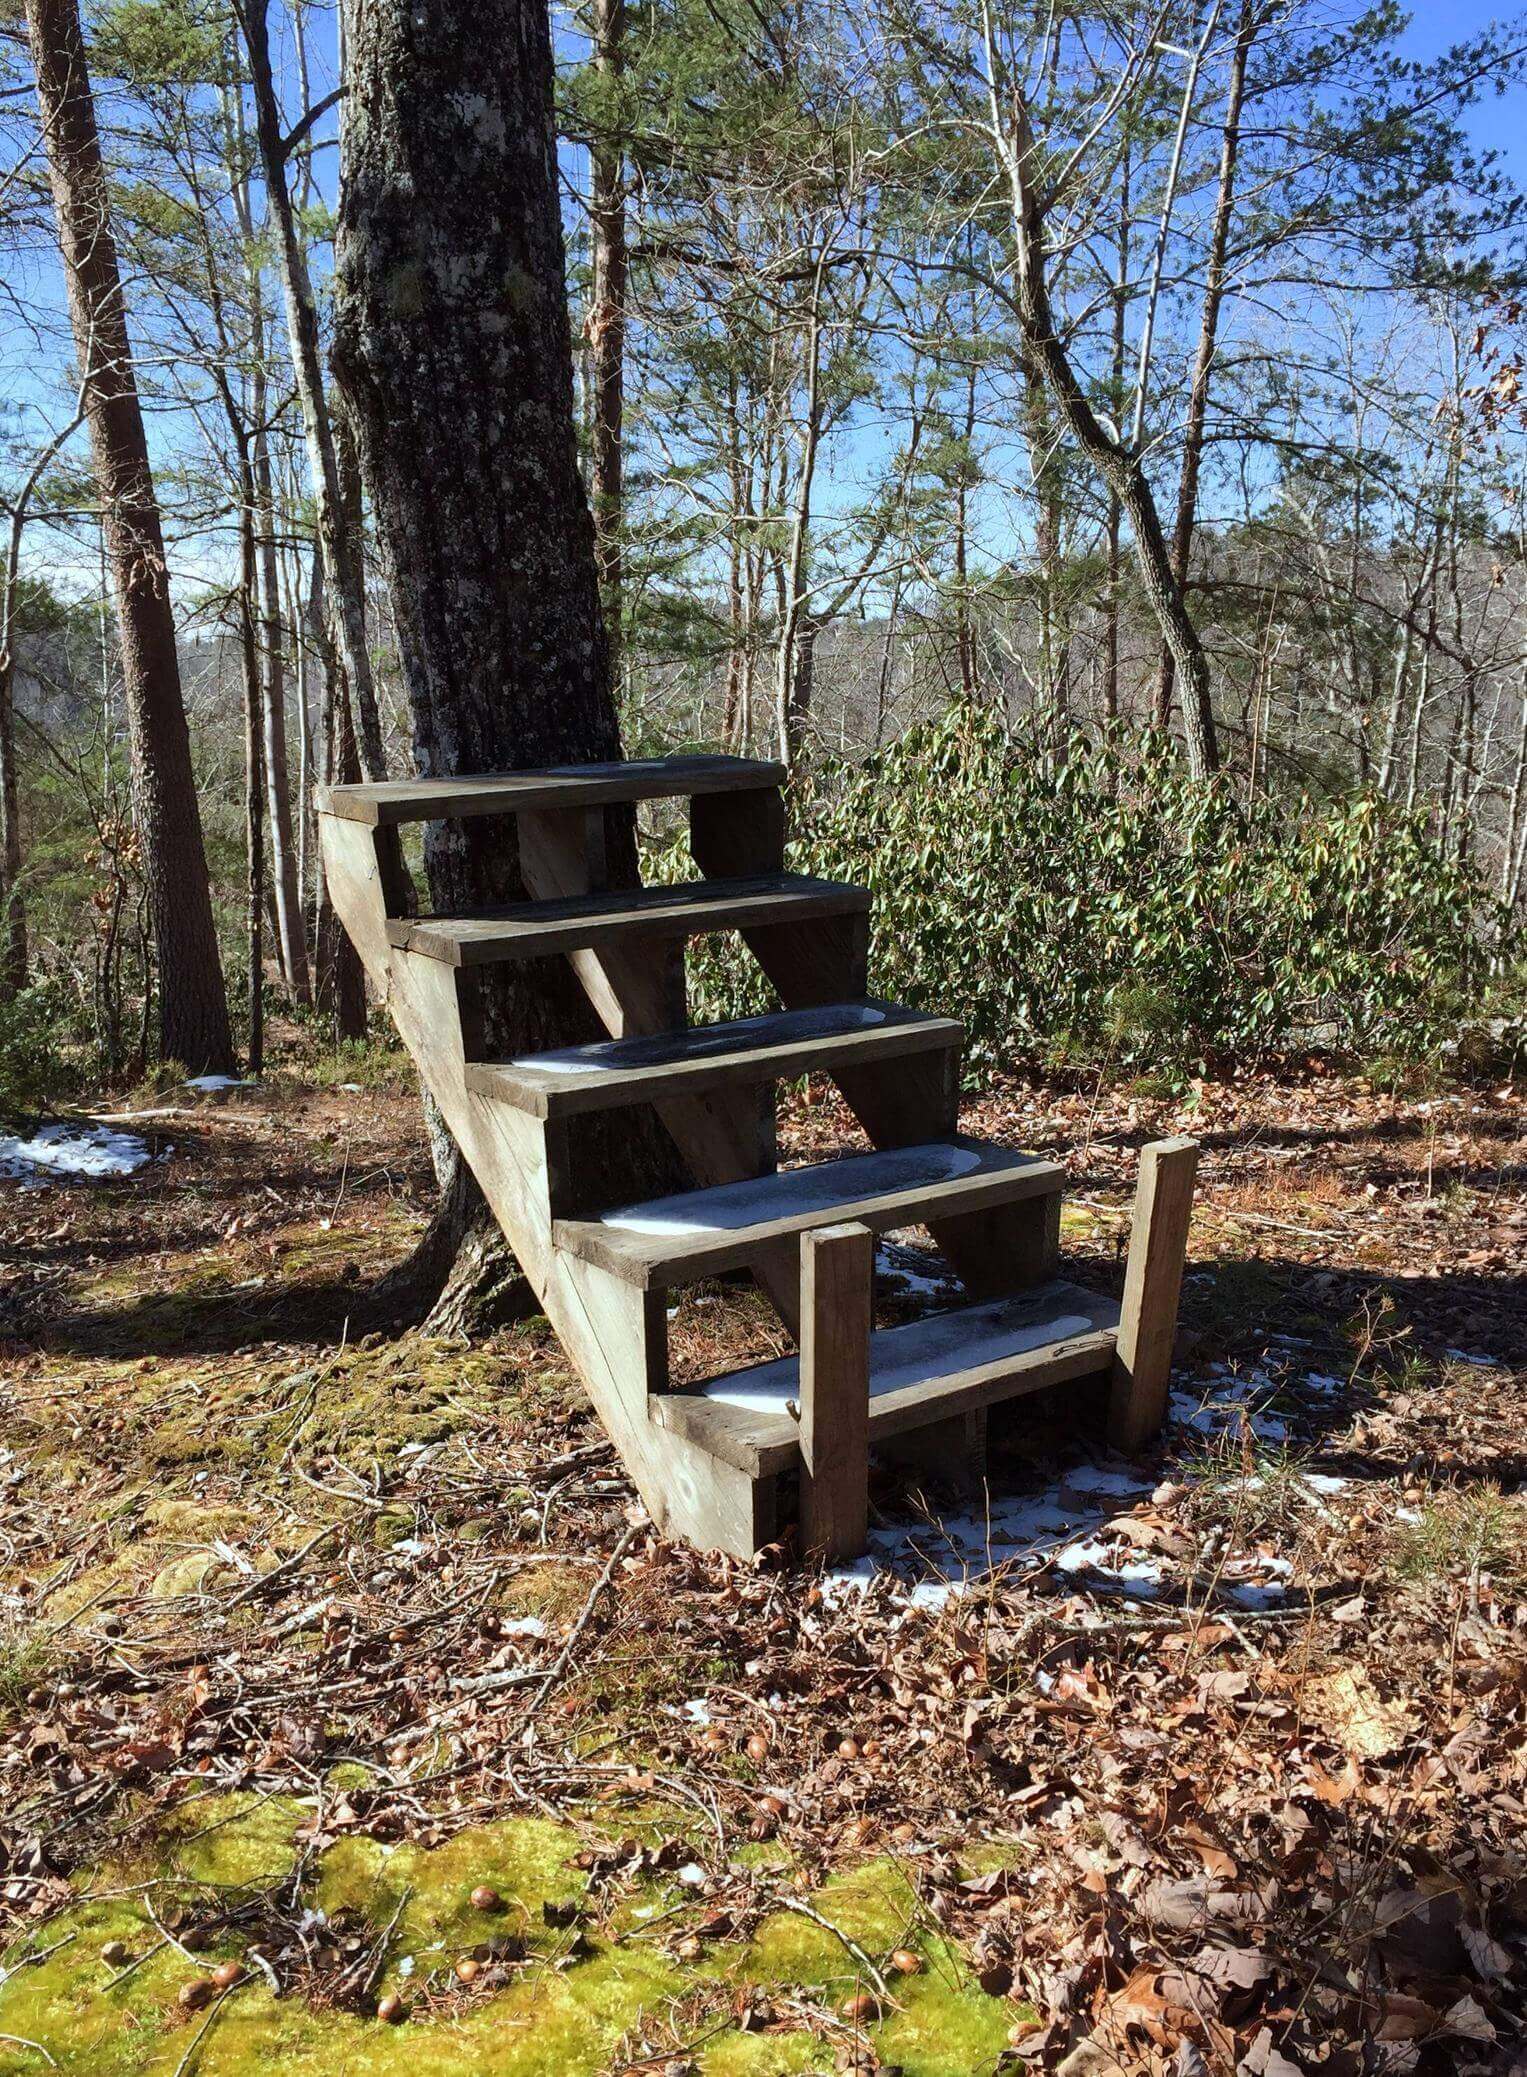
x=556 y=786
x=925 y=1371
x=674 y=1239
x=682 y=1063
x=536 y=929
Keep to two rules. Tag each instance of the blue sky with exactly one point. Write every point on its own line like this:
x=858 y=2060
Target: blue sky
x=1497 y=121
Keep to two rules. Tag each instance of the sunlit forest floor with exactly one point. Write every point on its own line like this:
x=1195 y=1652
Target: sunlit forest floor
x=333 y=1740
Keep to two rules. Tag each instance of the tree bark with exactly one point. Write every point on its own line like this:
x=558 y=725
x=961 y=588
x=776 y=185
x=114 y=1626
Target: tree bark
x=254 y=771
x=607 y=334
x=340 y=549
x=339 y=979
x=453 y=352
x=1118 y=465
x=1208 y=335
x=283 y=858
x=193 y=1002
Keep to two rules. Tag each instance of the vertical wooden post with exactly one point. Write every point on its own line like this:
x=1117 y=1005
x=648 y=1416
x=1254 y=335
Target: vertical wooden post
x=1158 y=1245
x=837 y=1314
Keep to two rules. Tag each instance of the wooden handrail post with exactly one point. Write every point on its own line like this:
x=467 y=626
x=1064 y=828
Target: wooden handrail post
x=1158 y=1244
x=837 y=1314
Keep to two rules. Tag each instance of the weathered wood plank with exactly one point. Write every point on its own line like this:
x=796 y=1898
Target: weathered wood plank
x=500 y=793
x=535 y=930
x=837 y=1313
x=1152 y=1285
x=673 y=1239
x=752 y=1049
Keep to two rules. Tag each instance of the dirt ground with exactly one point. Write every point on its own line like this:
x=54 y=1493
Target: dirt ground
x=353 y=1718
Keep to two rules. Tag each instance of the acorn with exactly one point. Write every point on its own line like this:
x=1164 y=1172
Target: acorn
x=848 y=1748
x=862 y=2006
x=201 y=1990
x=714 y=1740
x=906 y=1963
x=771 y=1805
x=391 y=2009
x=116 y=1954
x=468 y=1970
x=758 y=1746
x=486 y=1898
x=227 y=1974
x=690 y=1948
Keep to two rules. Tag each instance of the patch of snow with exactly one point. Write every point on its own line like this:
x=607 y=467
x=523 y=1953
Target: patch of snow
x=1463 y=1356
x=222 y=1082
x=59 y=1151
x=900 y=1263
x=1114 y=1564
x=697 y=1710
x=1325 y=1482
x=522 y=1626
x=1326 y=1386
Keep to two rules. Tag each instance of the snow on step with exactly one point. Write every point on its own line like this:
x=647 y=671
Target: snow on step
x=944 y=1346
x=900 y=1186
x=776 y=1046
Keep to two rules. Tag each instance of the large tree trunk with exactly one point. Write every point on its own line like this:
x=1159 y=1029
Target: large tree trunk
x=193 y=1004
x=452 y=348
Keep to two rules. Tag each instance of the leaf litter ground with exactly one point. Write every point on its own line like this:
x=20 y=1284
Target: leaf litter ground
x=343 y=1681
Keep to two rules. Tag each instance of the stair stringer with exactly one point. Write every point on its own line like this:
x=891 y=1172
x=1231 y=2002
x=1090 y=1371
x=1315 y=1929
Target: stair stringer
x=611 y=1331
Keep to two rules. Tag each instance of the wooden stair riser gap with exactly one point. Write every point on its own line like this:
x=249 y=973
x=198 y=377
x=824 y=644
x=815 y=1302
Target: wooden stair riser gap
x=738 y=1140
x=721 y=1139
x=823 y=960
x=680 y=1483
x=947 y=1456
x=903 y=1102
x=1005 y=1250
x=733 y=835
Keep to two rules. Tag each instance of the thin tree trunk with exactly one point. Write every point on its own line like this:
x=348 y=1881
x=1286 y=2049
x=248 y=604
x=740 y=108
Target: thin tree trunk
x=1113 y=526
x=342 y=561
x=340 y=981
x=1119 y=467
x=1208 y=336
x=964 y=642
x=193 y=1002
x=254 y=773
x=607 y=335
x=283 y=860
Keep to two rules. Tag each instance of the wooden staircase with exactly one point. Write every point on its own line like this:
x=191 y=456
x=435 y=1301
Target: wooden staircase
x=733 y=1462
